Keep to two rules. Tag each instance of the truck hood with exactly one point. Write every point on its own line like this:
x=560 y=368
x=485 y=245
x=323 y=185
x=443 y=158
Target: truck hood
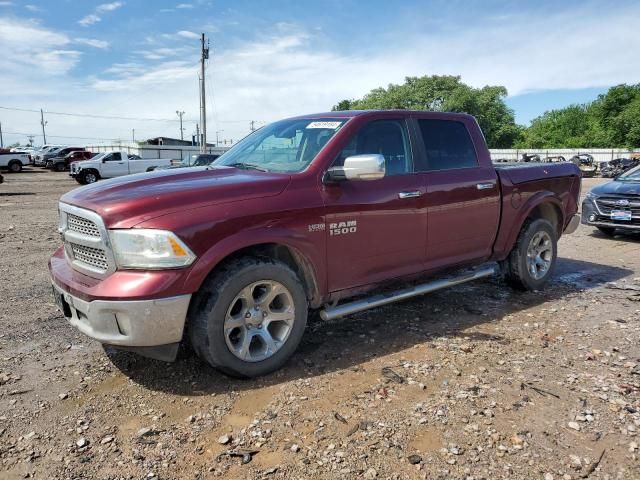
x=127 y=201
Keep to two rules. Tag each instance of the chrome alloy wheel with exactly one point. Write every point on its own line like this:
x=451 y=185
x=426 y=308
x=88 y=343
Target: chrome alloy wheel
x=259 y=320
x=90 y=177
x=539 y=255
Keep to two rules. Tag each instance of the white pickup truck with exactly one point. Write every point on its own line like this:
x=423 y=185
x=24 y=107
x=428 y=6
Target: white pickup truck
x=14 y=161
x=113 y=164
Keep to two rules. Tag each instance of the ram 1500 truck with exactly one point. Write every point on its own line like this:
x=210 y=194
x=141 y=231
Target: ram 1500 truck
x=111 y=165
x=302 y=214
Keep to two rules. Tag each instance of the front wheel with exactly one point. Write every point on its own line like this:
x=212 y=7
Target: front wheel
x=88 y=176
x=249 y=317
x=533 y=258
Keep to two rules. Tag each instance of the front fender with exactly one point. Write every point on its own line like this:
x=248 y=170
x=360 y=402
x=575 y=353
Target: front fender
x=304 y=251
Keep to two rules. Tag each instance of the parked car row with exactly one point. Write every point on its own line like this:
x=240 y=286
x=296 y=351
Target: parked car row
x=618 y=166
x=584 y=161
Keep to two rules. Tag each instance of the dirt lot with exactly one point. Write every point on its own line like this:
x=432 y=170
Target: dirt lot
x=474 y=382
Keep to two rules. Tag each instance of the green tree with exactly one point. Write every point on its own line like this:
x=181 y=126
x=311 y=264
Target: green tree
x=446 y=93
x=610 y=121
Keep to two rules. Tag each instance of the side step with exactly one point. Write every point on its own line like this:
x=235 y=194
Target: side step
x=331 y=313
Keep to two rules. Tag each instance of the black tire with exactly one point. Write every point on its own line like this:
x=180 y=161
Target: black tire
x=216 y=296
x=59 y=167
x=15 y=166
x=517 y=273
x=608 y=231
x=88 y=176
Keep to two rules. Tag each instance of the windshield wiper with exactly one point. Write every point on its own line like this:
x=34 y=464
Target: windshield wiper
x=247 y=166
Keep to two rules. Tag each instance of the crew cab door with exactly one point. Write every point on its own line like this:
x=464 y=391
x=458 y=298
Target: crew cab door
x=463 y=195
x=114 y=165
x=376 y=228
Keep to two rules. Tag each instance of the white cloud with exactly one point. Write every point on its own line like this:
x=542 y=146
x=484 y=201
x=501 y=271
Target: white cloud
x=89 y=20
x=184 y=5
x=26 y=45
x=92 y=42
x=187 y=34
x=6 y=4
x=33 y=8
x=103 y=8
x=109 y=7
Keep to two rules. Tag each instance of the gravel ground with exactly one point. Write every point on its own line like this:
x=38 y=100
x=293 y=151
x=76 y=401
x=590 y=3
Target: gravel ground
x=475 y=382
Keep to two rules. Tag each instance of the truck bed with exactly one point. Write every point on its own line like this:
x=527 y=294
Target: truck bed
x=526 y=172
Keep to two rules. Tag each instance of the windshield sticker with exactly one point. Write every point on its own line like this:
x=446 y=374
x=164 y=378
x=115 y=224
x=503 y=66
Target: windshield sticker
x=331 y=125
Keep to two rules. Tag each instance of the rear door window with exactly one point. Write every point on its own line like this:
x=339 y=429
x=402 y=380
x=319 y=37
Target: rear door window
x=447 y=145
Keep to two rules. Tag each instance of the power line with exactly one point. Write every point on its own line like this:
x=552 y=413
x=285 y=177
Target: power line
x=112 y=117
x=90 y=115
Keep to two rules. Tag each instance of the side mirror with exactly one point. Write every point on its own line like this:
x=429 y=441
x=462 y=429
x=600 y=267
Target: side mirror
x=358 y=167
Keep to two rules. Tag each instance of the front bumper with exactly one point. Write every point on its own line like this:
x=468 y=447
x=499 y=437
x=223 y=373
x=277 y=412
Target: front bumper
x=591 y=216
x=141 y=311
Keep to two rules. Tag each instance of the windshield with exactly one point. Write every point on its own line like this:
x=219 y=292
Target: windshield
x=632 y=175
x=285 y=146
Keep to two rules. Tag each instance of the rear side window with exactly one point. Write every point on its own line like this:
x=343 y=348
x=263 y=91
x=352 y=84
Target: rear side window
x=447 y=144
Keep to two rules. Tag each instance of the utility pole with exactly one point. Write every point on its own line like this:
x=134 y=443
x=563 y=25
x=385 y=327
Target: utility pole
x=43 y=123
x=1 y=140
x=180 y=114
x=203 y=103
x=133 y=134
x=252 y=125
x=217 y=139
x=198 y=133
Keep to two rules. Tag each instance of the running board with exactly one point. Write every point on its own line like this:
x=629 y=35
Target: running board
x=331 y=313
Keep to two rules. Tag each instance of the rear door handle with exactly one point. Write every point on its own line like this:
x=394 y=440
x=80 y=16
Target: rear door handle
x=485 y=186
x=414 y=194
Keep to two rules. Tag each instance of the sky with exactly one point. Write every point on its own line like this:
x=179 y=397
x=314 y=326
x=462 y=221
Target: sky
x=138 y=60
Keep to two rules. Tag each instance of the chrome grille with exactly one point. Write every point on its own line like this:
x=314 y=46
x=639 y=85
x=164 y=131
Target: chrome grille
x=82 y=225
x=607 y=204
x=91 y=256
x=86 y=241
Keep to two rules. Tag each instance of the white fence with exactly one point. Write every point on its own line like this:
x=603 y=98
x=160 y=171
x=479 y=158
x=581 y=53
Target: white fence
x=599 y=154
x=156 y=151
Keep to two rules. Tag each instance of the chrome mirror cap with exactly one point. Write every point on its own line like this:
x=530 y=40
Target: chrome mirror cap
x=364 y=167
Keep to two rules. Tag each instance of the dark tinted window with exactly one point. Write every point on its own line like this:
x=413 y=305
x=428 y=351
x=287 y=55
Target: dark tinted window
x=447 y=144
x=116 y=156
x=385 y=137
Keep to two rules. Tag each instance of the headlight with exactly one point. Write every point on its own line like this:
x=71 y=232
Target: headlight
x=591 y=196
x=153 y=249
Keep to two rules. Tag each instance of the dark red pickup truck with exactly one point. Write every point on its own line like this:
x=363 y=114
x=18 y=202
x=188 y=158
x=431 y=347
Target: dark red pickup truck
x=302 y=214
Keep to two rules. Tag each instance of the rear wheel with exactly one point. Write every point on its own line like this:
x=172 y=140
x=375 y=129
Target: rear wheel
x=533 y=258
x=249 y=317
x=608 y=231
x=15 y=166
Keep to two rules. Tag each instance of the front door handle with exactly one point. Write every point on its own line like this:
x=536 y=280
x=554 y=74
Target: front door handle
x=485 y=186
x=414 y=194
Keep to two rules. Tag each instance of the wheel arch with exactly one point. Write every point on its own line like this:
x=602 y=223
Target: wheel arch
x=542 y=205
x=278 y=250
